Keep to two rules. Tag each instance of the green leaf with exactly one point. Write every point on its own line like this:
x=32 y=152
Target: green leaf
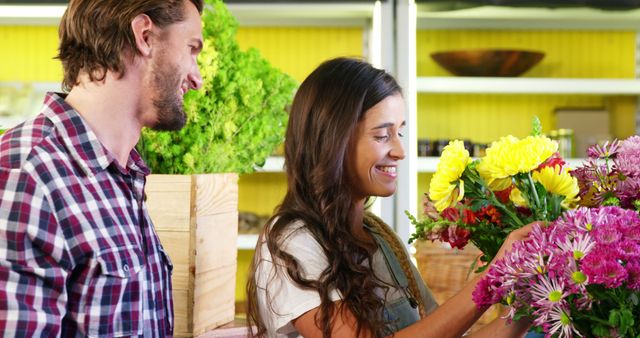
x=600 y=330
x=536 y=127
x=614 y=318
x=626 y=321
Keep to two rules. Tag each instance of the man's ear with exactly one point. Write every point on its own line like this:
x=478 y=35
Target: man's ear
x=141 y=26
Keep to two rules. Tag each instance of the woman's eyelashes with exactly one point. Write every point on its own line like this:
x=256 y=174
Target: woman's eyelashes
x=386 y=137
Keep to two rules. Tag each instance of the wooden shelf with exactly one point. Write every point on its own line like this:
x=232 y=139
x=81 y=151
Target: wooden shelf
x=520 y=85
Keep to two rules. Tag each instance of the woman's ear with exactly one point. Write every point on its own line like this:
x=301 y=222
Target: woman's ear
x=141 y=27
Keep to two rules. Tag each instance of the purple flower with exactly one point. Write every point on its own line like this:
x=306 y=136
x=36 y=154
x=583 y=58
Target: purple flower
x=628 y=190
x=607 y=150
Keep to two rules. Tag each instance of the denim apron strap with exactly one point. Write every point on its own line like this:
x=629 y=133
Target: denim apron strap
x=375 y=225
x=402 y=312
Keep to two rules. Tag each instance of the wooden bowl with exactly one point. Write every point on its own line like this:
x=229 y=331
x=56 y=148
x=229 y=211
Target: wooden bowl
x=487 y=62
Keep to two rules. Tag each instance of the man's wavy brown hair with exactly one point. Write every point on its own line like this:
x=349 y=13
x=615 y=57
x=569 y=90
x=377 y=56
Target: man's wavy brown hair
x=96 y=36
x=324 y=114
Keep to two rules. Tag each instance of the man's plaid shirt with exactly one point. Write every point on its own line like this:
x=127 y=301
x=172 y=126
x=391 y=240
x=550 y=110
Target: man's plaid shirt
x=78 y=253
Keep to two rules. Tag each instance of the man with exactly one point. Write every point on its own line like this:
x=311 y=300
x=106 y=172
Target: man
x=78 y=252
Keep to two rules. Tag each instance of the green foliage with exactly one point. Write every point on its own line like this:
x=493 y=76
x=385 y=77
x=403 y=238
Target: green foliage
x=614 y=314
x=238 y=116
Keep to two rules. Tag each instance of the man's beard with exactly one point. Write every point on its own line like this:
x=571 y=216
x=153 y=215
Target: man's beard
x=167 y=102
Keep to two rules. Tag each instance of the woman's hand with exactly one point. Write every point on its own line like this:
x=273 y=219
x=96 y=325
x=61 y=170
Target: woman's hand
x=514 y=236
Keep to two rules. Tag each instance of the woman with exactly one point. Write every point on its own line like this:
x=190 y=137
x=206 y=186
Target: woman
x=326 y=267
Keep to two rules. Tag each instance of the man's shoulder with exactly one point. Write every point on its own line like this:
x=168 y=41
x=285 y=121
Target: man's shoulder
x=26 y=142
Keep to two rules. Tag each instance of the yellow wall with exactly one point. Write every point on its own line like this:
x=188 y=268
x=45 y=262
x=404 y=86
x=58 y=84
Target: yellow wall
x=28 y=53
x=298 y=50
x=580 y=54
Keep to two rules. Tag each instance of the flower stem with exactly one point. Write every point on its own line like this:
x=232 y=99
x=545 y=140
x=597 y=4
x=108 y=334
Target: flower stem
x=504 y=209
x=536 y=197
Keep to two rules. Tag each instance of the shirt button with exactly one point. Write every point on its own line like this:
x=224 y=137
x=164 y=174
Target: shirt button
x=125 y=268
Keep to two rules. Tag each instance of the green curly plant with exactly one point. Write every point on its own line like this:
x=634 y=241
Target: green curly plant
x=237 y=118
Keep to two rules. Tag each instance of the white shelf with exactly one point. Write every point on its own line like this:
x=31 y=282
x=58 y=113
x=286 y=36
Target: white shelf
x=520 y=85
x=31 y=14
x=303 y=14
x=26 y=100
x=247 y=241
x=273 y=164
x=523 y=18
x=427 y=164
x=251 y=14
x=430 y=164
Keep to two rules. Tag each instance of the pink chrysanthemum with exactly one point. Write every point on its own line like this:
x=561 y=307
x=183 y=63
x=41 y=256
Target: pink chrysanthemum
x=578 y=246
x=628 y=156
x=487 y=293
x=607 y=150
x=628 y=250
x=603 y=270
x=560 y=323
x=566 y=272
x=548 y=292
x=628 y=191
x=633 y=271
x=607 y=236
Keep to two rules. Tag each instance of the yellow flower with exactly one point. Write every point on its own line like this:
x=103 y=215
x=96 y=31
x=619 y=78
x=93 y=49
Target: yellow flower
x=446 y=188
x=510 y=156
x=516 y=197
x=558 y=181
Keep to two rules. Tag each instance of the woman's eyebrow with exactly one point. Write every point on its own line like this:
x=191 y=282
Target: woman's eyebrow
x=388 y=124
x=383 y=125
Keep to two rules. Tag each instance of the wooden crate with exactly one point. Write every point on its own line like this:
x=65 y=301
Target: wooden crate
x=196 y=217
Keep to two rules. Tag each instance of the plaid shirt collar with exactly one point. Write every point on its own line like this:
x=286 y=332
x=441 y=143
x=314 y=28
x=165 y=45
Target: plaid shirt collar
x=83 y=144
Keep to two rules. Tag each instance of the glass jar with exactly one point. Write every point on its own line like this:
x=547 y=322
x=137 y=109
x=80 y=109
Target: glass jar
x=565 y=143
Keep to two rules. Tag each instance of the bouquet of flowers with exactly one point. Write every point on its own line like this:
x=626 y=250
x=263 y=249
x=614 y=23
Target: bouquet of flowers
x=579 y=276
x=611 y=175
x=481 y=201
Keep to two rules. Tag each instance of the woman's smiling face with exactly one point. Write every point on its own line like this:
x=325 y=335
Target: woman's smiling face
x=375 y=149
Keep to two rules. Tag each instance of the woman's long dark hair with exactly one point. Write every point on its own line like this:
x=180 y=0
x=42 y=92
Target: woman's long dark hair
x=324 y=114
